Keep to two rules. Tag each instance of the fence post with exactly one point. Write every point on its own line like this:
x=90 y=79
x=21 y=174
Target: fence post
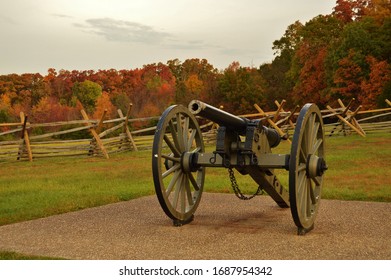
x=126 y=127
x=288 y=119
x=25 y=138
x=95 y=134
x=99 y=125
x=272 y=123
x=344 y=117
x=279 y=109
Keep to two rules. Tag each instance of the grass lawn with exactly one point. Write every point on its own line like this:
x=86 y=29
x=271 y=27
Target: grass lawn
x=45 y=187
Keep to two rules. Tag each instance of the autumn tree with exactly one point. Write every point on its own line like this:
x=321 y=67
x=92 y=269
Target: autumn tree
x=192 y=72
x=194 y=87
x=351 y=10
x=348 y=77
x=363 y=43
x=374 y=87
x=380 y=10
x=49 y=109
x=308 y=67
x=103 y=104
x=5 y=109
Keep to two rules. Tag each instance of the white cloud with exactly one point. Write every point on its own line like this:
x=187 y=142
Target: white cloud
x=123 y=31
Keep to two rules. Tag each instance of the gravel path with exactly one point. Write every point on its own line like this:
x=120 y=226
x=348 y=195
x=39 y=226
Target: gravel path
x=224 y=228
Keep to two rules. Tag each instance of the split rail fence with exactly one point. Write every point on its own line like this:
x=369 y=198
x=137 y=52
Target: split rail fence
x=115 y=136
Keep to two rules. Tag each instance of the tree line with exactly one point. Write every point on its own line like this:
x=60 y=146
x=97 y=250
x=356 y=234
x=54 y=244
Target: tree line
x=346 y=54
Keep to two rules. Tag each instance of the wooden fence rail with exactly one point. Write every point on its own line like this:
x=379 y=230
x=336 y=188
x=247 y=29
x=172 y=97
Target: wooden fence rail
x=109 y=136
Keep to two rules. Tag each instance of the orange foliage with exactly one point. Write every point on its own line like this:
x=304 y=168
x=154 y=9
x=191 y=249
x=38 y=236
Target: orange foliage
x=50 y=110
x=312 y=76
x=372 y=88
x=348 y=78
x=103 y=103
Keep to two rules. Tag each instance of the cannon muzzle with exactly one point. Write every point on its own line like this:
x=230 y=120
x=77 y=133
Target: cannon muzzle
x=218 y=116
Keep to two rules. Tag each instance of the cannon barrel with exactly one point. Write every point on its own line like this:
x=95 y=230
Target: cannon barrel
x=230 y=121
x=218 y=116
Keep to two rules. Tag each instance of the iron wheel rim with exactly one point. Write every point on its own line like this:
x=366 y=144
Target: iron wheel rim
x=178 y=191
x=304 y=191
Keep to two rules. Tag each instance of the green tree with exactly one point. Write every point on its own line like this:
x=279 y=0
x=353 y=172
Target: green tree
x=87 y=93
x=242 y=88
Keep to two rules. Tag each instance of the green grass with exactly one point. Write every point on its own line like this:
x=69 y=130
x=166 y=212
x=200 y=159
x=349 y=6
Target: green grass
x=359 y=169
x=57 y=185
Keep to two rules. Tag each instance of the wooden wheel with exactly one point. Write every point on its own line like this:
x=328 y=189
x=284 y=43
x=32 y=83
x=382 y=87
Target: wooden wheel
x=306 y=168
x=178 y=183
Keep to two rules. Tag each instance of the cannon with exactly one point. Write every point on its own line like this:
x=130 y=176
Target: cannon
x=179 y=160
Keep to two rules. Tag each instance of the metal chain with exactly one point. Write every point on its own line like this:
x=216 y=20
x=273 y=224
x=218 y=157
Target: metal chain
x=237 y=190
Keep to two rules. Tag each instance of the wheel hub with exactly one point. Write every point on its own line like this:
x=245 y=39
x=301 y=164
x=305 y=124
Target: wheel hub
x=316 y=166
x=187 y=162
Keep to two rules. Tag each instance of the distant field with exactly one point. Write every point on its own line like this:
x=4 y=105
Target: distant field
x=359 y=169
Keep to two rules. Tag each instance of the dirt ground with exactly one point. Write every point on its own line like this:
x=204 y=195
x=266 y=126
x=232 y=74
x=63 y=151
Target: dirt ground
x=224 y=228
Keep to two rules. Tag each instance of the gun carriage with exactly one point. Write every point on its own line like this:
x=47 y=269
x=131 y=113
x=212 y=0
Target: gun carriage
x=179 y=160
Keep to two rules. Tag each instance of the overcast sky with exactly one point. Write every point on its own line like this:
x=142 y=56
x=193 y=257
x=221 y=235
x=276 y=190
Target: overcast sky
x=126 y=34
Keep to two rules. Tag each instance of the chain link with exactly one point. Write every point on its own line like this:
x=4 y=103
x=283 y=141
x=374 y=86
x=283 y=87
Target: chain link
x=237 y=190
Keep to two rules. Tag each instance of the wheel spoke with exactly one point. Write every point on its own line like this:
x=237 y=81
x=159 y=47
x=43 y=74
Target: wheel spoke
x=186 y=134
x=194 y=182
x=196 y=150
x=175 y=137
x=169 y=171
x=316 y=181
x=188 y=192
x=177 y=191
x=316 y=146
x=302 y=167
x=312 y=192
x=172 y=183
x=191 y=139
x=303 y=156
x=183 y=194
x=303 y=198
x=174 y=159
x=314 y=134
x=308 y=133
x=308 y=198
x=171 y=146
x=180 y=132
x=301 y=186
